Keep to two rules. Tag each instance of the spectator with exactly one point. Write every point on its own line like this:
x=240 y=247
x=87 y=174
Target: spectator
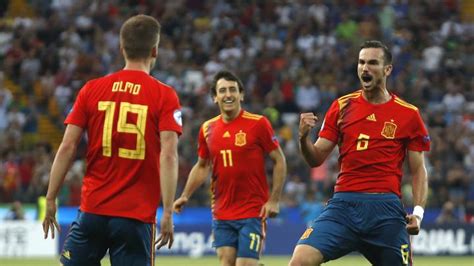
x=448 y=214
x=16 y=212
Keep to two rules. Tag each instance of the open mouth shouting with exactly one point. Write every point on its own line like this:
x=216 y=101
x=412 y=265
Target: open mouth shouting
x=366 y=80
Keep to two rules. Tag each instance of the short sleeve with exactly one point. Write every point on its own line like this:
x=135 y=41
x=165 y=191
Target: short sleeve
x=329 y=129
x=419 y=138
x=171 y=116
x=267 y=135
x=203 y=150
x=78 y=113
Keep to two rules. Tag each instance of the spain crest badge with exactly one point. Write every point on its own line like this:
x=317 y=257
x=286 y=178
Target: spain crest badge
x=240 y=139
x=389 y=129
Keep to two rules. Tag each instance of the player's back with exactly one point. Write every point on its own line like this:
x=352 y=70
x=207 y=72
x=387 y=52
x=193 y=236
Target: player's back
x=123 y=114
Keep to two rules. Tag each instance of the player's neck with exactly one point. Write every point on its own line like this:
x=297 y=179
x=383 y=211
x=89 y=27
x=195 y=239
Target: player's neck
x=377 y=95
x=230 y=115
x=138 y=65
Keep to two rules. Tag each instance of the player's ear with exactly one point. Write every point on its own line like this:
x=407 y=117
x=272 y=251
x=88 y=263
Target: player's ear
x=242 y=96
x=214 y=99
x=154 y=51
x=388 y=70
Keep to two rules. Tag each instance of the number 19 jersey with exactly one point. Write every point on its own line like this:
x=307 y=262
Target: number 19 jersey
x=123 y=114
x=237 y=150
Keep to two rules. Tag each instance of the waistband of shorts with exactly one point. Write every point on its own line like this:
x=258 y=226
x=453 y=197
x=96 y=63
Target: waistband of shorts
x=365 y=196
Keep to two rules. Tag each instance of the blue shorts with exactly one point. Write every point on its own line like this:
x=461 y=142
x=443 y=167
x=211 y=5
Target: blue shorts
x=245 y=235
x=129 y=241
x=373 y=224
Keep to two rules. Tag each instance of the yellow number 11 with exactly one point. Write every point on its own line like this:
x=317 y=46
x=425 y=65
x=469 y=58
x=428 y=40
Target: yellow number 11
x=124 y=127
x=227 y=158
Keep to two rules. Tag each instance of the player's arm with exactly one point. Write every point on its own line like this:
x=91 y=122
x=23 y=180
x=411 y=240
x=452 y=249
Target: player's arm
x=196 y=178
x=168 y=181
x=314 y=154
x=272 y=208
x=62 y=162
x=420 y=190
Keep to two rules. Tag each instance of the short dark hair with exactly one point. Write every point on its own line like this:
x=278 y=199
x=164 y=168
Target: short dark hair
x=138 y=35
x=227 y=75
x=387 y=55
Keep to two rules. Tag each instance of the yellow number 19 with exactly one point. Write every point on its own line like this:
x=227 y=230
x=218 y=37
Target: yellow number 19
x=124 y=127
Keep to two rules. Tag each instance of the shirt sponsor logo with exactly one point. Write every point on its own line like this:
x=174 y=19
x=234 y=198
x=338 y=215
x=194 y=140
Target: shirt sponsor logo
x=226 y=135
x=388 y=130
x=240 y=139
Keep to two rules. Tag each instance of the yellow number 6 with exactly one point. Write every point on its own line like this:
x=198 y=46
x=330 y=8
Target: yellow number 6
x=363 y=142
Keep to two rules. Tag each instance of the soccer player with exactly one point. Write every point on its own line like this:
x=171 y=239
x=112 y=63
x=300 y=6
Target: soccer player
x=132 y=122
x=374 y=130
x=233 y=146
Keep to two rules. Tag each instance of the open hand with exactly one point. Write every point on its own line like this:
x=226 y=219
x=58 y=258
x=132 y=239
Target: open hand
x=166 y=232
x=49 y=222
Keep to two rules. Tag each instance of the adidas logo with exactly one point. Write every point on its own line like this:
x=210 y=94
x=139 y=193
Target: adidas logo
x=371 y=117
x=226 y=135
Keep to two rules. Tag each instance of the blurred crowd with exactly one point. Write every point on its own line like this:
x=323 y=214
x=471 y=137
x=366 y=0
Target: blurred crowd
x=292 y=55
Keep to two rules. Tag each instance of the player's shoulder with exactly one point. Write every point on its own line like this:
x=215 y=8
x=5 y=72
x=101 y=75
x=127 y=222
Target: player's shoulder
x=95 y=81
x=251 y=116
x=345 y=99
x=210 y=121
x=161 y=84
x=404 y=104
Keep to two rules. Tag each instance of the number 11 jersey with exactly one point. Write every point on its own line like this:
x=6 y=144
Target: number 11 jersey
x=237 y=150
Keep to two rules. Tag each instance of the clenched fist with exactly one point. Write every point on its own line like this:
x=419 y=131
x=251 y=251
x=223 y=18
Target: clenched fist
x=307 y=122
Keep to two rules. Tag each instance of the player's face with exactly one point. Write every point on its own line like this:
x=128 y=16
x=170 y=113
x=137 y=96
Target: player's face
x=371 y=69
x=228 y=96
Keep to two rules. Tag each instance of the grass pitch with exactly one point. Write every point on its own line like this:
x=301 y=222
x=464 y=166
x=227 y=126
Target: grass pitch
x=266 y=260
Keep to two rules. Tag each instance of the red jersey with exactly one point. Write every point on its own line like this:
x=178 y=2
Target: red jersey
x=237 y=150
x=123 y=114
x=373 y=140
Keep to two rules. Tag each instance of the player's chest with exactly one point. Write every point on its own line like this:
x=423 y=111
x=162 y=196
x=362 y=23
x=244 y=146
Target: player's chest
x=237 y=139
x=374 y=124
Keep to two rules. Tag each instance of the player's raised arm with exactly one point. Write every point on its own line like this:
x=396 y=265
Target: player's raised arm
x=420 y=190
x=272 y=207
x=168 y=181
x=196 y=178
x=314 y=154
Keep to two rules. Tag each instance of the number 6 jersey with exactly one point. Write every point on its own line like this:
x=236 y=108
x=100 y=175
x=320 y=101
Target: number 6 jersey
x=373 y=141
x=123 y=114
x=237 y=150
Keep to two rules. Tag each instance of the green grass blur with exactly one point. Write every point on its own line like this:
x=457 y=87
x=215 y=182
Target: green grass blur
x=267 y=261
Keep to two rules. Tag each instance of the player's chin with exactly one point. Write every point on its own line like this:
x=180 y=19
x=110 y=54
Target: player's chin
x=367 y=86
